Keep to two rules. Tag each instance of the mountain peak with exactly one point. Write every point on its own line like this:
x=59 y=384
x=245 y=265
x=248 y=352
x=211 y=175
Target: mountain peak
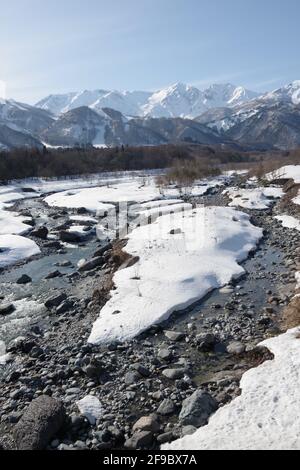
x=176 y=100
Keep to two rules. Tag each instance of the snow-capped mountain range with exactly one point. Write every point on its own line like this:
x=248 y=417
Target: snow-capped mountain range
x=178 y=100
x=179 y=113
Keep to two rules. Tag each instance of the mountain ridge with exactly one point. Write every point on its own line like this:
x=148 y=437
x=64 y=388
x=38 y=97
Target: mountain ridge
x=178 y=100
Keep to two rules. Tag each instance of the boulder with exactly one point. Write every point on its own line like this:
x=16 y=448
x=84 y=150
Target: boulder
x=24 y=280
x=147 y=423
x=55 y=301
x=236 y=348
x=197 y=409
x=167 y=407
x=70 y=237
x=91 y=264
x=6 y=309
x=44 y=417
x=40 y=232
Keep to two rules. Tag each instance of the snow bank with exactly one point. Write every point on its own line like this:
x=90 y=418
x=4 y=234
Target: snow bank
x=264 y=417
x=12 y=223
x=89 y=198
x=286 y=172
x=14 y=248
x=256 y=198
x=289 y=221
x=174 y=271
x=137 y=190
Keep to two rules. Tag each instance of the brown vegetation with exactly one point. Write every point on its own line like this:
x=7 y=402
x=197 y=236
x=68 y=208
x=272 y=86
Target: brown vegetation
x=291 y=314
x=183 y=173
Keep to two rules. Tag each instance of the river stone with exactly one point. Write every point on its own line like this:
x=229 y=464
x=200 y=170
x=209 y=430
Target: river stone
x=206 y=341
x=6 y=309
x=70 y=237
x=139 y=440
x=91 y=264
x=55 y=301
x=236 y=348
x=165 y=438
x=197 y=409
x=147 y=423
x=53 y=275
x=174 y=335
x=174 y=374
x=132 y=378
x=166 y=408
x=24 y=280
x=41 y=421
x=41 y=232
x=165 y=354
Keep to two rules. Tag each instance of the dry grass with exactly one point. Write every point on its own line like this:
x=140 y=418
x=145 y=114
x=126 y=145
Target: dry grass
x=291 y=314
x=183 y=174
x=291 y=192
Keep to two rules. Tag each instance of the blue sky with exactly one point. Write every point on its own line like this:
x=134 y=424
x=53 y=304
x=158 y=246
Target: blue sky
x=68 y=45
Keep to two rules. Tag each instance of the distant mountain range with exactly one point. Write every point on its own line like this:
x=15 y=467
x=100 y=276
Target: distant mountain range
x=180 y=113
x=178 y=100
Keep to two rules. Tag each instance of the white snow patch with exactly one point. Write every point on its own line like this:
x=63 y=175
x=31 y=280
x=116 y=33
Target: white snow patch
x=288 y=221
x=286 y=172
x=174 y=271
x=253 y=198
x=264 y=417
x=91 y=408
x=14 y=248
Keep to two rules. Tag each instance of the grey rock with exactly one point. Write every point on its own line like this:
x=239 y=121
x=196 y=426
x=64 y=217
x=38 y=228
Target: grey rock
x=206 y=342
x=165 y=354
x=236 y=348
x=165 y=438
x=188 y=430
x=41 y=232
x=139 y=440
x=174 y=335
x=53 y=275
x=91 y=264
x=167 y=407
x=141 y=370
x=147 y=423
x=132 y=378
x=6 y=309
x=197 y=409
x=55 y=301
x=43 y=418
x=174 y=374
x=24 y=280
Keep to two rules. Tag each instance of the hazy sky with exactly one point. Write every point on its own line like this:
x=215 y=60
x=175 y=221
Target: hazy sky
x=68 y=45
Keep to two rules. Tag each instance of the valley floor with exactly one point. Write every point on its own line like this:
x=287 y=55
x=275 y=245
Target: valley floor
x=143 y=328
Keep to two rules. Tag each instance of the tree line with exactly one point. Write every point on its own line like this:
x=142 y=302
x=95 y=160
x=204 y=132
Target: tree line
x=26 y=163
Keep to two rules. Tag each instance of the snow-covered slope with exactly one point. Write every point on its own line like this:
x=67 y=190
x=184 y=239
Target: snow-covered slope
x=264 y=417
x=178 y=100
x=289 y=93
x=22 y=117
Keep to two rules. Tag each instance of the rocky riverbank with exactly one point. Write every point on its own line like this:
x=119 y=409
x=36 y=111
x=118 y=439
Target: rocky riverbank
x=153 y=389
